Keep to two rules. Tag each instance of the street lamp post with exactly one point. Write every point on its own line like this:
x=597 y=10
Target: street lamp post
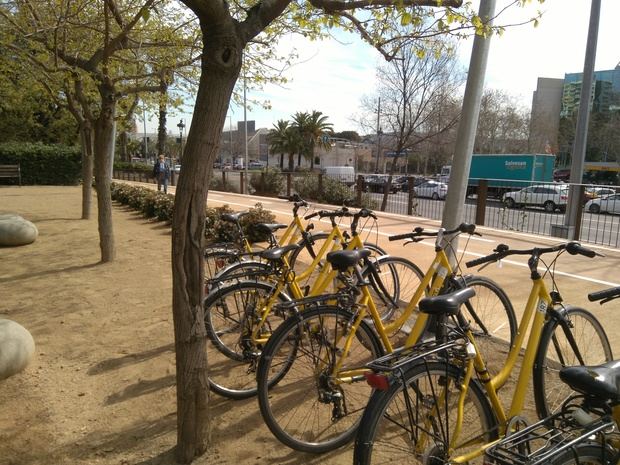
x=181 y=126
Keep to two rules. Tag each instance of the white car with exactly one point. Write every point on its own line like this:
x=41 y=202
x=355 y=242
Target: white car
x=607 y=204
x=551 y=197
x=177 y=169
x=433 y=189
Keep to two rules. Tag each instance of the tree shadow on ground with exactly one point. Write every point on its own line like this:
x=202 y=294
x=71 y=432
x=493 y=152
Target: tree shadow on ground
x=129 y=359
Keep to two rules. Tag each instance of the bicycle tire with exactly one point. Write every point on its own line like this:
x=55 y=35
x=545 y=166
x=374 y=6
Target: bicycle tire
x=230 y=316
x=304 y=410
x=390 y=429
x=585 y=454
x=241 y=270
x=492 y=320
x=399 y=279
x=217 y=259
x=554 y=352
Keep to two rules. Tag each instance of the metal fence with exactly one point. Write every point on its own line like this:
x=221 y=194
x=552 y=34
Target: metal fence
x=537 y=208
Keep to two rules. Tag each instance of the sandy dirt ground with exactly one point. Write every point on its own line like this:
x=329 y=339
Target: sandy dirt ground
x=101 y=388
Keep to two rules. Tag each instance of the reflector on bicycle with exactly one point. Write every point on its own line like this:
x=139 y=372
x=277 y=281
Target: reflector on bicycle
x=377 y=381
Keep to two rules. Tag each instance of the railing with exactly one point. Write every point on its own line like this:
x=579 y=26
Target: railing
x=499 y=204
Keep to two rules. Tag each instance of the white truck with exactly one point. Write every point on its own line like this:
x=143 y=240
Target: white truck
x=344 y=174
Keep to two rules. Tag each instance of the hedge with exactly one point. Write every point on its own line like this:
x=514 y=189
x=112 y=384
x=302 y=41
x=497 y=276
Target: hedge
x=157 y=205
x=43 y=164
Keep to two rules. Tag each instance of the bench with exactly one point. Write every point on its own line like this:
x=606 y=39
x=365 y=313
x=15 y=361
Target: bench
x=11 y=171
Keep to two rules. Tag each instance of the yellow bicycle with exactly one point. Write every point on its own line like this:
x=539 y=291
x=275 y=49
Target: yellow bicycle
x=438 y=403
x=309 y=374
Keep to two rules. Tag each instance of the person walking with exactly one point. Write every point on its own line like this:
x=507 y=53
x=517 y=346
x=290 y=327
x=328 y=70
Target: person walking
x=161 y=172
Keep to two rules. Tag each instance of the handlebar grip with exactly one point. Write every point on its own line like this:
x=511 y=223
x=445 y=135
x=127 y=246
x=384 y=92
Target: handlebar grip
x=399 y=237
x=604 y=294
x=467 y=228
x=311 y=215
x=574 y=248
x=285 y=197
x=481 y=260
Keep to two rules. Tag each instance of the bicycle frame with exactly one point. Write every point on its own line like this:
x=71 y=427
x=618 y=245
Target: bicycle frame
x=534 y=317
x=433 y=280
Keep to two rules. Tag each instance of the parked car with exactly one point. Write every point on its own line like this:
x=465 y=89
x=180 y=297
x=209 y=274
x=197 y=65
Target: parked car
x=403 y=182
x=376 y=183
x=254 y=165
x=227 y=166
x=562 y=174
x=434 y=189
x=595 y=192
x=177 y=169
x=607 y=204
x=549 y=196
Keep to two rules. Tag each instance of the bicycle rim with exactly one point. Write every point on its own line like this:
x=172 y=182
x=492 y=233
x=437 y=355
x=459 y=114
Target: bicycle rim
x=555 y=352
x=308 y=409
x=416 y=424
x=231 y=316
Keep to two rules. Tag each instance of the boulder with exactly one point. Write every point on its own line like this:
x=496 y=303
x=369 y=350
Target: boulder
x=16 y=348
x=15 y=230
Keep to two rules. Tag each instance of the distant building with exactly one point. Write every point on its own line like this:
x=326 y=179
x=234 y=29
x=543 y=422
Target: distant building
x=554 y=99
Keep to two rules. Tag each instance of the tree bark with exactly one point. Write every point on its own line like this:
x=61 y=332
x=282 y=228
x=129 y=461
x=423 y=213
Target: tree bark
x=104 y=152
x=161 y=128
x=86 y=137
x=220 y=69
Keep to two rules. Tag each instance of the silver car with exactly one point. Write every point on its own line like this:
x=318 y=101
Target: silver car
x=433 y=189
x=551 y=197
x=607 y=204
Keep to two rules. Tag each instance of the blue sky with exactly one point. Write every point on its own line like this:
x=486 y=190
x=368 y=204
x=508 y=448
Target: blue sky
x=332 y=76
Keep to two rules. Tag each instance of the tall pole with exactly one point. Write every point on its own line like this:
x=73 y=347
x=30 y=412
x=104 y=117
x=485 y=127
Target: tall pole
x=231 y=140
x=468 y=123
x=583 y=115
x=245 y=126
x=378 y=135
x=144 y=123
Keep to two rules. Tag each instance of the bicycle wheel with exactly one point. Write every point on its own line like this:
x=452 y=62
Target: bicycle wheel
x=309 y=409
x=555 y=352
x=232 y=314
x=395 y=284
x=217 y=259
x=585 y=454
x=414 y=421
x=492 y=319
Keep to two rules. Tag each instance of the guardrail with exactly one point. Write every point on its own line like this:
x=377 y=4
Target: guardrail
x=492 y=203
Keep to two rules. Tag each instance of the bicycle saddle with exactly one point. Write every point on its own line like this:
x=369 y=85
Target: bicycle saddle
x=447 y=304
x=233 y=217
x=269 y=227
x=343 y=259
x=277 y=252
x=602 y=381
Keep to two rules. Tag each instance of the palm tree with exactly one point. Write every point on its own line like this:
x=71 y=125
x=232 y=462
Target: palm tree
x=284 y=138
x=314 y=131
x=318 y=131
x=300 y=124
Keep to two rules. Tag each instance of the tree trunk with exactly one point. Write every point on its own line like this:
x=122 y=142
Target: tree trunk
x=291 y=162
x=122 y=143
x=220 y=69
x=388 y=184
x=86 y=137
x=282 y=162
x=161 y=128
x=104 y=153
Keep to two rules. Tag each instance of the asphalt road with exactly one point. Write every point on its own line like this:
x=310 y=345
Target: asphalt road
x=575 y=276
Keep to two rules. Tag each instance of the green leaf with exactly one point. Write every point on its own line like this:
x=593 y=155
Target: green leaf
x=405 y=19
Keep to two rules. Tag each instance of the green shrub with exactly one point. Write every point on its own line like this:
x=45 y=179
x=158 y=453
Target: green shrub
x=150 y=203
x=217 y=230
x=332 y=192
x=126 y=166
x=217 y=184
x=43 y=164
x=268 y=182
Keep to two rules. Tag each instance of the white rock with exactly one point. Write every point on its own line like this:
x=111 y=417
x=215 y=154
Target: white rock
x=16 y=348
x=14 y=230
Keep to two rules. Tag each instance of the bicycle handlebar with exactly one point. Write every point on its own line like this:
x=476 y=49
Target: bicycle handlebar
x=467 y=228
x=502 y=251
x=610 y=293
